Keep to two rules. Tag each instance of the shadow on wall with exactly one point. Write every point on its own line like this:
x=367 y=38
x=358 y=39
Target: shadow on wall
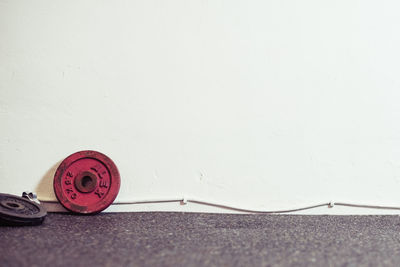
x=44 y=189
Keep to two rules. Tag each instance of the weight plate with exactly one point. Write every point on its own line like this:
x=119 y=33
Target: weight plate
x=16 y=210
x=86 y=182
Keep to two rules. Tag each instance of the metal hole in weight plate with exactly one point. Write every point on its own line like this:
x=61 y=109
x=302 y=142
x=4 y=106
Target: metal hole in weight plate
x=12 y=205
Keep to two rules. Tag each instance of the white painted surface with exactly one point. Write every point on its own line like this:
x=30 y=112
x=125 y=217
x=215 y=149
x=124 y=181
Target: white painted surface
x=260 y=104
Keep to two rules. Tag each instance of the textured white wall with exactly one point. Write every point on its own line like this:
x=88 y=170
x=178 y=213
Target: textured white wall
x=261 y=104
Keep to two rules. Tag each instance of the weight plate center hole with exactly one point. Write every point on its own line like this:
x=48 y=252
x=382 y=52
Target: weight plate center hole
x=86 y=182
x=12 y=205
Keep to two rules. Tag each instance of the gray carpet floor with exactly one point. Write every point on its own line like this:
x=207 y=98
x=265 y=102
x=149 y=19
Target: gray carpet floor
x=193 y=239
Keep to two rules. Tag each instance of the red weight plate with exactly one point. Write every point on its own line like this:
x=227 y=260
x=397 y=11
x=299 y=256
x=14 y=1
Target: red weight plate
x=86 y=182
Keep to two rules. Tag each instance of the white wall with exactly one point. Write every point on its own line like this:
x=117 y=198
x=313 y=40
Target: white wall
x=259 y=104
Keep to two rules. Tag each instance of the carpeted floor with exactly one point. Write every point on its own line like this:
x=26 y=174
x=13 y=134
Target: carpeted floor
x=192 y=239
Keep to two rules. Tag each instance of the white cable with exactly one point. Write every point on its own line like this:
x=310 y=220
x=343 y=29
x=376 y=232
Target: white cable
x=185 y=200
x=223 y=206
x=366 y=206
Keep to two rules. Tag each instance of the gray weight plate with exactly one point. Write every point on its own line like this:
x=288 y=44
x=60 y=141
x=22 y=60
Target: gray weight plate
x=16 y=210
